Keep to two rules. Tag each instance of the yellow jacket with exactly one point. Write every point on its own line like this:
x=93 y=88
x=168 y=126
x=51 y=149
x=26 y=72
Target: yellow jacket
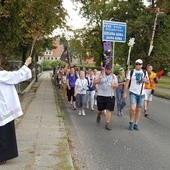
x=151 y=84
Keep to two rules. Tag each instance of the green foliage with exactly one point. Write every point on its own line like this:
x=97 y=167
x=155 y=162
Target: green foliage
x=139 y=25
x=49 y=65
x=24 y=23
x=164 y=82
x=87 y=66
x=76 y=46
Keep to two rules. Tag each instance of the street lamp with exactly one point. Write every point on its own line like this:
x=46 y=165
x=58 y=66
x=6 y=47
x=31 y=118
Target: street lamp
x=130 y=44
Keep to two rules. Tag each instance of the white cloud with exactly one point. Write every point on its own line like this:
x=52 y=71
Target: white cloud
x=74 y=20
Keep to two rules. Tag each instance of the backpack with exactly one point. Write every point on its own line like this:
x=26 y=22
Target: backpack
x=131 y=73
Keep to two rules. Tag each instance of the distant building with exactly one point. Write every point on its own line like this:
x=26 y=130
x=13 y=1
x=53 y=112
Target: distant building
x=87 y=61
x=54 y=54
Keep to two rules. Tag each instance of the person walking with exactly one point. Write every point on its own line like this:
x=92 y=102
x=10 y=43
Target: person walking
x=70 y=81
x=119 y=91
x=107 y=82
x=135 y=81
x=90 y=96
x=64 y=85
x=10 y=109
x=81 y=87
x=149 y=88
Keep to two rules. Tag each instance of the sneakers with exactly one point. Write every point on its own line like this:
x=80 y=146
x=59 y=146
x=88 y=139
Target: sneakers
x=79 y=113
x=145 y=113
x=119 y=113
x=92 y=109
x=136 y=127
x=107 y=127
x=83 y=113
x=98 y=119
x=131 y=126
x=69 y=105
x=74 y=107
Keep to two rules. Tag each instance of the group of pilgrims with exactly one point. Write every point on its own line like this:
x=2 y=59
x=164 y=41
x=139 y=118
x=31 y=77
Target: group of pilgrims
x=78 y=85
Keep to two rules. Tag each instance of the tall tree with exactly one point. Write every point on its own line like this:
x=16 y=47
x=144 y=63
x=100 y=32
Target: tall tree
x=139 y=25
x=23 y=22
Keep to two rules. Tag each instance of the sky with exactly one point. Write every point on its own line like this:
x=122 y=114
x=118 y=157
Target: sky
x=75 y=21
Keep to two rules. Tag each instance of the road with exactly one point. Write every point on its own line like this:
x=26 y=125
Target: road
x=120 y=149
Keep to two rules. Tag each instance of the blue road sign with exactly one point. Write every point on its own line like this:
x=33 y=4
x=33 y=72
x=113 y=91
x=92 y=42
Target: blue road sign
x=114 y=31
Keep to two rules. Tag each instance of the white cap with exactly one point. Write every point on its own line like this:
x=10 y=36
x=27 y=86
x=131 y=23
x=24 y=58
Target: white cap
x=139 y=61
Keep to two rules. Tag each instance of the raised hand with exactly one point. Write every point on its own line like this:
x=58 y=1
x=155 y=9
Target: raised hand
x=28 y=61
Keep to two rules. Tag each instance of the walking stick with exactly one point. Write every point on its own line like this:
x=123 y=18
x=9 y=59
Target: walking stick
x=32 y=46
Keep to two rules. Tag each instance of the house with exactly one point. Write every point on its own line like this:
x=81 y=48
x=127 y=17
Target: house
x=54 y=54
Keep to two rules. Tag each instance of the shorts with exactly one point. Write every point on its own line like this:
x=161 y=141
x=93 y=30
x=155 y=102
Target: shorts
x=105 y=103
x=148 y=95
x=136 y=99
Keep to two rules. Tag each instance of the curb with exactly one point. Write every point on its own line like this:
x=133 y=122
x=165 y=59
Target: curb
x=69 y=155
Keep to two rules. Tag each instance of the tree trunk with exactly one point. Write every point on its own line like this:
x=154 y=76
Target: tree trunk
x=24 y=53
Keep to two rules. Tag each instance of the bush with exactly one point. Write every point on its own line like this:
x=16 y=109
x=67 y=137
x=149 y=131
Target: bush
x=49 y=65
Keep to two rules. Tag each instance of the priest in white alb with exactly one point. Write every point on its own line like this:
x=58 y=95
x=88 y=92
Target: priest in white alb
x=10 y=109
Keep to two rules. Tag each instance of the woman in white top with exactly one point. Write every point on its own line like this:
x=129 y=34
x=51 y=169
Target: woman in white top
x=10 y=109
x=81 y=87
x=91 y=91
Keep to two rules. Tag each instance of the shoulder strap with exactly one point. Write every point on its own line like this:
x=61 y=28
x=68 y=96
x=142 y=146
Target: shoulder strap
x=144 y=71
x=131 y=73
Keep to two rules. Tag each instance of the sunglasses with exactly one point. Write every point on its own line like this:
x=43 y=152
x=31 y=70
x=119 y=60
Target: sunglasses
x=138 y=64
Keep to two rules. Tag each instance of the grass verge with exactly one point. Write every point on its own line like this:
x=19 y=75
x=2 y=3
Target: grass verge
x=62 y=153
x=164 y=82
x=163 y=88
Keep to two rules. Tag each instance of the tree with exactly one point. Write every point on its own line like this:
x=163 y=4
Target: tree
x=76 y=46
x=131 y=12
x=139 y=25
x=24 y=22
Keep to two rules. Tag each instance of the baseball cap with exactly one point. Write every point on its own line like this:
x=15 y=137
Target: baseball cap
x=102 y=68
x=139 y=61
x=108 y=66
x=121 y=68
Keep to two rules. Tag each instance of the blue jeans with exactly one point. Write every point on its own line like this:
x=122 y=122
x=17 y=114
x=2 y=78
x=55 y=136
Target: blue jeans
x=136 y=99
x=120 y=100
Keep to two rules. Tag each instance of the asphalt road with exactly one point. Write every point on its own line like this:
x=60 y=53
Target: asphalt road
x=121 y=149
